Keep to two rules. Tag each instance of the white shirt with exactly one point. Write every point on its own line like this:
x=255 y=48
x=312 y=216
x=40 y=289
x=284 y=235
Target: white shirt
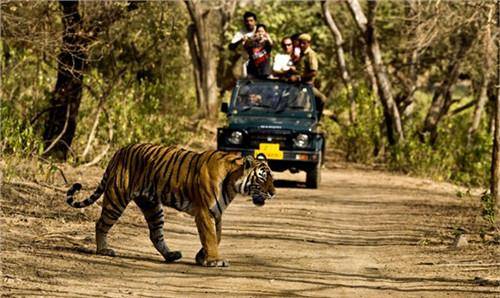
x=240 y=34
x=282 y=63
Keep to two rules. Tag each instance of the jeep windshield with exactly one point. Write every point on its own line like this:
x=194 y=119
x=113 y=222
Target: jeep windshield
x=257 y=97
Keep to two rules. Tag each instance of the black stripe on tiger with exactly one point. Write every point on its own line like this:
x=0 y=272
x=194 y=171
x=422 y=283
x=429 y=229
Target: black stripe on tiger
x=170 y=168
x=70 y=195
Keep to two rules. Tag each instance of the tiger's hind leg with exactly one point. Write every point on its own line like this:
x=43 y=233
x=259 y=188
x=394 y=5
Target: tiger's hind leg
x=112 y=208
x=153 y=212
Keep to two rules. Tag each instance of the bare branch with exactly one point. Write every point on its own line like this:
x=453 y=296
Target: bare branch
x=61 y=134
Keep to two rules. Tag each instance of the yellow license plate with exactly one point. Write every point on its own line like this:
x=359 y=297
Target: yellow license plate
x=271 y=151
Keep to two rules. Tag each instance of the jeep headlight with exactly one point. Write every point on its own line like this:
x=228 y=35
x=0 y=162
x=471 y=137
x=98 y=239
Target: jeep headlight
x=235 y=138
x=301 y=140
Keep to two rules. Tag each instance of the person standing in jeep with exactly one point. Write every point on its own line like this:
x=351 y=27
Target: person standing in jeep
x=240 y=58
x=283 y=66
x=307 y=69
x=250 y=22
x=259 y=52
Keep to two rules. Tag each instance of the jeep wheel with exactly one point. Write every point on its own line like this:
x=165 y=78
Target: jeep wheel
x=313 y=176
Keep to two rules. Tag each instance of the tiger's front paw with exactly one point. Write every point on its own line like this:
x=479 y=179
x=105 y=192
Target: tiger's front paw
x=202 y=261
x=200 y=257
x=216 y=263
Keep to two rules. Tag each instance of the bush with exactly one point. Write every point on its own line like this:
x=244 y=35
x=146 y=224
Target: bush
x=19 y=137
x=448 y=159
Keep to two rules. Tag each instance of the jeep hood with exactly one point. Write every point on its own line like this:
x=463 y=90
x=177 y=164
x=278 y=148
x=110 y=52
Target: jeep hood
x=297 y=124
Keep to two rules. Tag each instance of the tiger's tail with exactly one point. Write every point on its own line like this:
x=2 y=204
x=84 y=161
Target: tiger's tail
x=70 y=195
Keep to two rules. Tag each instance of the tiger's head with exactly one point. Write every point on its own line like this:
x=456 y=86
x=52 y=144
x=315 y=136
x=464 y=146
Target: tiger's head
x=257 y=180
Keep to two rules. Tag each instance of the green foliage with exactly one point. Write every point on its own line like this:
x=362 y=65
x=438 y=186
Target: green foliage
x=26 y=82
x=449 y=159
x=19 y=137
x=488 y=212
x=139 y=118
x=362 y=141
x=139 y=70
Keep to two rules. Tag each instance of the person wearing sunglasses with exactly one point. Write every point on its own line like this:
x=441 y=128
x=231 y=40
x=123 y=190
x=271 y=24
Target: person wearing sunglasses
x=283 y=66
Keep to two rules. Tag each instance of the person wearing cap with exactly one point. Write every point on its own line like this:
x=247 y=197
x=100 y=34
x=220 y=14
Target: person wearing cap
x=307 y=66
x=307 y=69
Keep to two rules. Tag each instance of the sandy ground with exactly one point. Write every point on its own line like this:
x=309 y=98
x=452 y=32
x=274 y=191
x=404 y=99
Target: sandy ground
x=363 y=233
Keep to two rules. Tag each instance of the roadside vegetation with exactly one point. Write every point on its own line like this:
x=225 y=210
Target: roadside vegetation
x=138 y=80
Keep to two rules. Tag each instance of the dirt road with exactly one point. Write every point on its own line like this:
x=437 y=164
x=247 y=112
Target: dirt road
x=364 y=233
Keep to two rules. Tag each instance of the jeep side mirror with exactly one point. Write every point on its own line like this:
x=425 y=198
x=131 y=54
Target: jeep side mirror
x=224 y=107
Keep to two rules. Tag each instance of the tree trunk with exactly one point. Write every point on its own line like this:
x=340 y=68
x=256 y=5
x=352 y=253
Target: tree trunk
x=196 y=61
x=367 y=28
x=65 y=101
x=205 y=56
x=482 y=96
x=370 y=72
x=346 y=79
x=478 y=110
x=66 y=97
x=405 y=99
x=495 y=162
x=442 y=99
x=225 y=78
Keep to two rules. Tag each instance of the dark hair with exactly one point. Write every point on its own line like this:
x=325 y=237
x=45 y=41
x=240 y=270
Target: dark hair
x=261 y=26
x=285 y=38
x=295 y=36
x=249 y=14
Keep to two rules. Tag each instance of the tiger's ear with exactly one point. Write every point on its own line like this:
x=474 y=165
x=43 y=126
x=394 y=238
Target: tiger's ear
x=248 y=162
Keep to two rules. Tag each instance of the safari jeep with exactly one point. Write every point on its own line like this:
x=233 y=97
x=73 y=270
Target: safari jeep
x=277 y=119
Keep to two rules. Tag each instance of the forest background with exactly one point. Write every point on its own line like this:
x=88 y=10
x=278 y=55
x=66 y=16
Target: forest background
x=410 y=84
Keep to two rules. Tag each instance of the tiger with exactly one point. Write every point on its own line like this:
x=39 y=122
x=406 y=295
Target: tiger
x=200 y=184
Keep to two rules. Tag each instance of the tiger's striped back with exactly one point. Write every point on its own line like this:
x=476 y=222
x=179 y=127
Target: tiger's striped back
x=171 y=174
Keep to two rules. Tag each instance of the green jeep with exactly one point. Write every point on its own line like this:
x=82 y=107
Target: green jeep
x=278 y=119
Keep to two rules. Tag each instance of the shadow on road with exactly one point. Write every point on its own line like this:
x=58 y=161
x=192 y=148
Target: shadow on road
x=282 y=183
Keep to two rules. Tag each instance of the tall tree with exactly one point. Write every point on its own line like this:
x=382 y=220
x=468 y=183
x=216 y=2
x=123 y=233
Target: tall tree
x=482 y=96
x=205 y=39
x=442 y=98
x=495 y=162
x=405 y=71
x=65 y=102
x=366 y=26
x=339 y=41
x=67 y=94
